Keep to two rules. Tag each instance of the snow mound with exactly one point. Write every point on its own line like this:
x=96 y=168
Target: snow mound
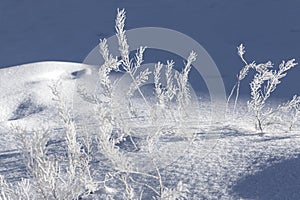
x=25 y=89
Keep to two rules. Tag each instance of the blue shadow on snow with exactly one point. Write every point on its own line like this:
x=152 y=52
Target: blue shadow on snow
x=279 y=181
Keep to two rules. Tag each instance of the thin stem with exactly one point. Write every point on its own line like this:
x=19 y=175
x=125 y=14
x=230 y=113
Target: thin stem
x=139 y=90
x=258 y=120
x=139 y=173
x=159 y=176
x=144 y=184
x=230 y=95
x=237 y=95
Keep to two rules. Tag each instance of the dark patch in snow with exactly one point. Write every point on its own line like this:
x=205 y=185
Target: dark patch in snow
x=279 y=181
x=272 y=138
x=79 y=73
x=171 y=137
x=8 y=154
x=26 y=108
x=12 y=166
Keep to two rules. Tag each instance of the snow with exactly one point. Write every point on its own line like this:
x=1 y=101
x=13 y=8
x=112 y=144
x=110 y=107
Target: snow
x=228 y=160
x=32 y=81
x=225 y=161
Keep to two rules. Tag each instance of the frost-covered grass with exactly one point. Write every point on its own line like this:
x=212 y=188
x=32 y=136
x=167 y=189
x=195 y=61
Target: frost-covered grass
x=69 y=173
x=137 y=145
x=227 y=161
x=264 y=83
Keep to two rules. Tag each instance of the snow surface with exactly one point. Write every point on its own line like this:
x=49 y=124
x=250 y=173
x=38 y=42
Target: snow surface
x=226 y=161
x=25 y=89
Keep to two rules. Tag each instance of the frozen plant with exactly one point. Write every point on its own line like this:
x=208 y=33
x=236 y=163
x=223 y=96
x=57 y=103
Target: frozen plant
x=43 y=169
x=293 y=109
x=296 y=110
x=164 y=94
x=21 y=190
x=74 y=173
x=243 y=73
x=180 y=192
x=110 y=121
x=262 y=86
x=183 y=95
x=260 y=92
x=127 y=64
x=78 y=152
x=51 y=175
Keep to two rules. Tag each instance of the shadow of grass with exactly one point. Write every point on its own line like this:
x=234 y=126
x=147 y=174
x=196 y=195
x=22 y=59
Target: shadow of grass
x=223 y=132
